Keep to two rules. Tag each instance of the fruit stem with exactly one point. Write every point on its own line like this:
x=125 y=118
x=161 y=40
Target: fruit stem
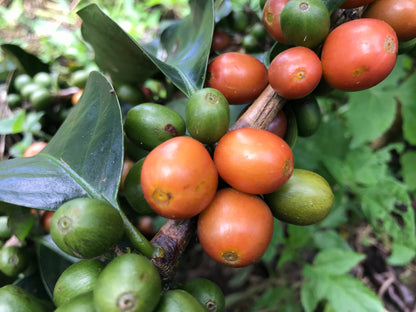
x=235 y=298
x=173 y=237
x=262 y=111
x=137 y=239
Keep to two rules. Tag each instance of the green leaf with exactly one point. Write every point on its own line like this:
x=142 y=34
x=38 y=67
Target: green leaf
x=270 y=54
x=339 y=169
x=360 y=166
x=282 y=297
x=32 y=122
x=187 y=45
x=404 y=236
x=408 y=162
x=271 y=251
x=13 y=124
x=336 y=261
x=182 y=54
x=387 y=206
x=297 y=238
x=116 y=53
x=84 y=158
x=222 y=9
x=347 y=293
x=338 y=215
x=19 y=148
x=178 y=105
x=33 y=284
x=52 y=262
x=329 y=239
x=377 y=205
x=344 y=292
x=288 y=255
x=329 y=141
x=37 y=182
x=308 y=296
x=401 y=254
x=21 y=121
x=370 y=113
x=28 y=62
x=407 y=95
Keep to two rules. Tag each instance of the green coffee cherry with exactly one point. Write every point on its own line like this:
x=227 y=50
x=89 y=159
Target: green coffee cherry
x=151 y=124
x=79 y=78
x=80 y=303
x=129 y=283
x=13 y=100
x=133 y=190
x=21 y=80
x=305 y=22
x=133 y=151
x=77 y=279
x=305 y=199
x=249 y=43
x=207 y=115
x=130 y=94
x=13 y=260
x=308 y=115
x=291 y=134
x=28 y=89
x=15 y=299
x=40 y=98
x=258 y=31
x=86 y=227
x=207 y=293
x=241 y=21
x=179 y=300
x=407 y=46
x=43 y=79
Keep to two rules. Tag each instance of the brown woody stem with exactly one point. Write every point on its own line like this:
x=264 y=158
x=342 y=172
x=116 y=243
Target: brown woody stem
x=173 y=238
x=261 y=112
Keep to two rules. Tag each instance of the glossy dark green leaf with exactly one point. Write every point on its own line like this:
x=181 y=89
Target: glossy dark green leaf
x=179 y=105
x=37 y=182
x=52 y=262
x=406 y=94
x=277 y=48
x=5 y=280
x=181 y=54
x=222 y=9
x=33 y=285
x=84 y=158
x=28 y=62
x=186 y=46
x=116 y=53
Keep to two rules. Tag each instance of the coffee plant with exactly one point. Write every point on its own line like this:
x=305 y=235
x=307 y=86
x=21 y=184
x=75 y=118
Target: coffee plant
x=240 y=156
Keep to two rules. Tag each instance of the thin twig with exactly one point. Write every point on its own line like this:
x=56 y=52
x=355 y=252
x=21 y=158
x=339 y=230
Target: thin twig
x=262 y=111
